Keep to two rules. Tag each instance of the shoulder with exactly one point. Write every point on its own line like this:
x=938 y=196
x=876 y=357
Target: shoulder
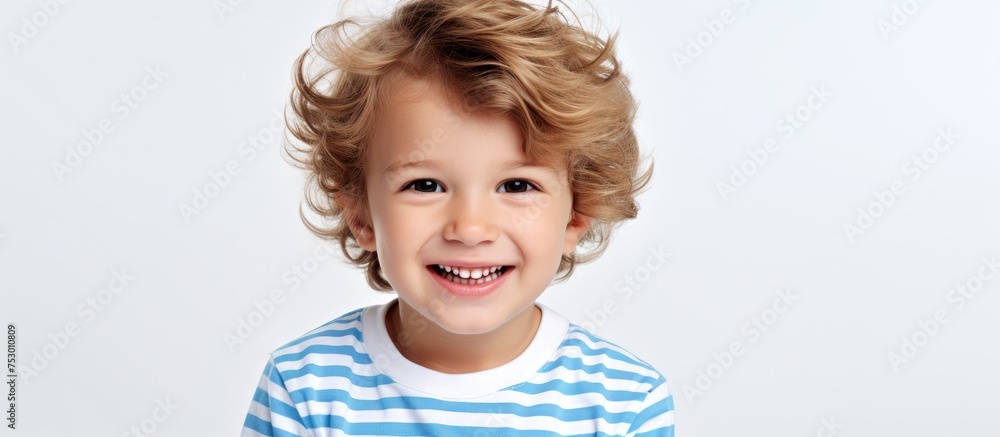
x=590 y=352
x=341 y=335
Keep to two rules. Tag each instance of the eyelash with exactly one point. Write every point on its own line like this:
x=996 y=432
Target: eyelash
x=531 y=185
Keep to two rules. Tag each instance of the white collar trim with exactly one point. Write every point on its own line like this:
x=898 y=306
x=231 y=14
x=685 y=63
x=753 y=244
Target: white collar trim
x=552 y=330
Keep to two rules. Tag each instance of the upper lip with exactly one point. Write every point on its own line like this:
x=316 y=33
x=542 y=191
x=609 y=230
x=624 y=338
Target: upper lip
x=469 y=263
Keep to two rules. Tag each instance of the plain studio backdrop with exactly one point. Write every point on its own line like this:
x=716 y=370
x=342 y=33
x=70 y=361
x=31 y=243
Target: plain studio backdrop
x=817 y=254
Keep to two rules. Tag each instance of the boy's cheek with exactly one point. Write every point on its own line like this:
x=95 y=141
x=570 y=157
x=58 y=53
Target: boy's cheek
x=522 y=218
x=543 y=216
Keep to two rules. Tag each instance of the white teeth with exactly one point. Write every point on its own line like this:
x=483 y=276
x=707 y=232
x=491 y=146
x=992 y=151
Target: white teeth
x=463 y=275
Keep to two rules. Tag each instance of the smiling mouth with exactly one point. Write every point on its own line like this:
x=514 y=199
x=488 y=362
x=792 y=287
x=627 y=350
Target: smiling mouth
x=456 y=276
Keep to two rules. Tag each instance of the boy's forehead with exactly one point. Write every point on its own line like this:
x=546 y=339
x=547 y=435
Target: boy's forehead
x=419 y=112
x=399 y=157
x=409 y=103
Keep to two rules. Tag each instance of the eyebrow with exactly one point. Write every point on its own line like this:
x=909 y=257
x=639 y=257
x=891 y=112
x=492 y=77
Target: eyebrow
x=508 y=165
x=397 y=167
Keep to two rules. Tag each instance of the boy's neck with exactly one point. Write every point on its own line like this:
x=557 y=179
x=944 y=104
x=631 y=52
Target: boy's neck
x=447 y=352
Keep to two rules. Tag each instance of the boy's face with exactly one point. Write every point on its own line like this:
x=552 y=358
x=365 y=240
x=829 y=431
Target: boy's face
x=466 y=195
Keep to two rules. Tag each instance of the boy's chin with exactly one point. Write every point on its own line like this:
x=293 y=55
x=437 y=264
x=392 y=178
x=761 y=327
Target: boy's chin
x=467 y=319
x=467 y=324
x=473 y=322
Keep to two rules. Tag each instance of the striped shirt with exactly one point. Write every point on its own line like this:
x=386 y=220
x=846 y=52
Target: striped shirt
x=347 y=378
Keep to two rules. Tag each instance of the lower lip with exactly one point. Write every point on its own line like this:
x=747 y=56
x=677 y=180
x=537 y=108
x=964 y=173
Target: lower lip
x=470 y=290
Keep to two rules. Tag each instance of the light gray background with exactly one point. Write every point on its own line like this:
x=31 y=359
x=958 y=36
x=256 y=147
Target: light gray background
x=823 y=365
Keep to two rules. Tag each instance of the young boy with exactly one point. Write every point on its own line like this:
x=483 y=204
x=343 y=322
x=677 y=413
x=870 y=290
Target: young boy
x=464 y=151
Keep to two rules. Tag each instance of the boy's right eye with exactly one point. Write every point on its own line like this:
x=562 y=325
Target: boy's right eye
x=423 y=185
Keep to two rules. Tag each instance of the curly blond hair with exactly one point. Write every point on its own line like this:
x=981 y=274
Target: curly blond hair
x=563 y=86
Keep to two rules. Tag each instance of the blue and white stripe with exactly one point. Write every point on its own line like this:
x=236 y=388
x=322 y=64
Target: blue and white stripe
x=327 y=384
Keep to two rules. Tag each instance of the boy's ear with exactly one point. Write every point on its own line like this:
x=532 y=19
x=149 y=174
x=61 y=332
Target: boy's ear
x=575 y=229
x=364 y=235
x=362 y=232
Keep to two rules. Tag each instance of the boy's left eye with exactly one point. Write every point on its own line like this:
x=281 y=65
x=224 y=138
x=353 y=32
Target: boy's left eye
x=424 y=185
x=517 y=186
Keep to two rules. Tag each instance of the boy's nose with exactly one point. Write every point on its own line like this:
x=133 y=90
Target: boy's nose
x=471 y=222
